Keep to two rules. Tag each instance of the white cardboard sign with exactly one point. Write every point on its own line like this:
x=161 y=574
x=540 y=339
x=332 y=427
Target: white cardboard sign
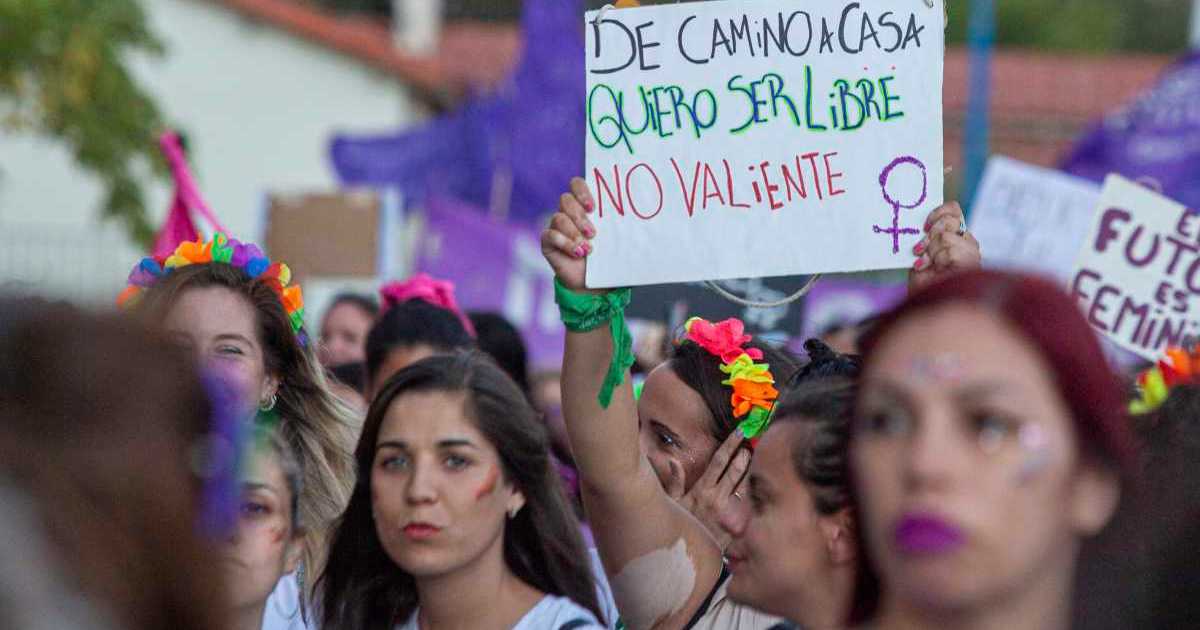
x=1138 y=276
x=1031 y=218
x=761 y=138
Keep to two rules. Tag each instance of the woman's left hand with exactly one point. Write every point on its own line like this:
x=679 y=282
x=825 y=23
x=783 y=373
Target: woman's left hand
x=947 y=247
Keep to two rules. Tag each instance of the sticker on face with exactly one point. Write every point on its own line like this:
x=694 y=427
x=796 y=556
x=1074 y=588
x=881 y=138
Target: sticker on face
x=946 y=368
x=1035 y=453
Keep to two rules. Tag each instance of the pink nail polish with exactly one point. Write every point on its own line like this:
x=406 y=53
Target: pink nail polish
x=919 y=248
x=579 y=252
x=920 y=264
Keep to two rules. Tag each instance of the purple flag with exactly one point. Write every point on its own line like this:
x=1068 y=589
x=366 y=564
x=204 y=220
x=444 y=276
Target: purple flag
x=845 y=302
x=1155 y=139
x=526 y=138
x=494 y=267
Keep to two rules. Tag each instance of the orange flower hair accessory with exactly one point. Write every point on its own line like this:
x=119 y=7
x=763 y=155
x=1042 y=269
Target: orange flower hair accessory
x=221 y=249
x=1154 y=385
x=754 y=392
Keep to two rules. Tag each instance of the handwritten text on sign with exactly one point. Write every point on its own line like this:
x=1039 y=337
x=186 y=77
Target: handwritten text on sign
x=1138 y=277
x=753 y=139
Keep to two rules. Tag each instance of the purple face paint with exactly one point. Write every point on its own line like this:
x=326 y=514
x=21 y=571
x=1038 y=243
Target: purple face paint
x=1035 y=452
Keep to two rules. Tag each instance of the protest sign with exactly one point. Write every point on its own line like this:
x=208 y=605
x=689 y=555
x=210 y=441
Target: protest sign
x=1031 y=218
x=757 y=139
x=1138 y=276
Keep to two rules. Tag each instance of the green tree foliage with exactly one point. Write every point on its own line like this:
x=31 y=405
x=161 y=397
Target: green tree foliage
x=64 y=74
x=1091 y=26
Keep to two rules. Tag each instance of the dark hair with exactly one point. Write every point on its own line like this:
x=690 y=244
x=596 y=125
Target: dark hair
x=98 y=417
x=824 y=362
x=317 y=425
x=362 y=302
x=821 y=401
x=363 y=588
x=502 y=341
x=413 y=323
x=1051 y=320
x=352 y=375
x=701 y=371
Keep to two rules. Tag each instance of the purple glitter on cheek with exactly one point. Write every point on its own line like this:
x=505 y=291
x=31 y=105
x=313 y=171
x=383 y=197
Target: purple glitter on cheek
x=1035 y=452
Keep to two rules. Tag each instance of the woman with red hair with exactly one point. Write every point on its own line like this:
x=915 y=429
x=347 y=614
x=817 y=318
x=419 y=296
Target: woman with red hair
x=989 y=442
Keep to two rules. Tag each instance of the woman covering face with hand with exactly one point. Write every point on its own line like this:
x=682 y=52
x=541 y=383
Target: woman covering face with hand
x=988 y=443
x=646 y=538
x=458 y=519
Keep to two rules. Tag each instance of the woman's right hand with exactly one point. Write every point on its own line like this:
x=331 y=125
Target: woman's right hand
x=566 y=242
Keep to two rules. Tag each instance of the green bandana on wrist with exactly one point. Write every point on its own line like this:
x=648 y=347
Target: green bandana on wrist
x=584 y=313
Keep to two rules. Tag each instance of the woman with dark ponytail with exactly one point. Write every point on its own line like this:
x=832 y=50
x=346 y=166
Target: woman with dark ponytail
x=793 y=550
x=458 y=518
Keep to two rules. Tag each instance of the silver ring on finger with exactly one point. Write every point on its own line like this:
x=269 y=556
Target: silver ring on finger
x=737 y=495
x=962 y=227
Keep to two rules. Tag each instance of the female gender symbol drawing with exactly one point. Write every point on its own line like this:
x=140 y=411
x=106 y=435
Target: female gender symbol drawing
x=896 y=230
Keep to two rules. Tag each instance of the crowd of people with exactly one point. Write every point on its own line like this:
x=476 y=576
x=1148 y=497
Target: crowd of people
x=200 y=460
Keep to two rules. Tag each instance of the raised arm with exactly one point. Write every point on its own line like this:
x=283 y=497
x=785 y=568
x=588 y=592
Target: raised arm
x=947 y=247
x=661 y=562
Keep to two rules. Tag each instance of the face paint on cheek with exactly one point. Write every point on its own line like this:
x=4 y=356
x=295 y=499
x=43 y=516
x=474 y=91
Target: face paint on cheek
x=489 y=483
x=1035 y=453
x=277 y=534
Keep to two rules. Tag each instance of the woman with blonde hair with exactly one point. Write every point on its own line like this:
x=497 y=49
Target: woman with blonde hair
x=234 y=309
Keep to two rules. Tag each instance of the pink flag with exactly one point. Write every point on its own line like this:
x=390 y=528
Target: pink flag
x=179 y=225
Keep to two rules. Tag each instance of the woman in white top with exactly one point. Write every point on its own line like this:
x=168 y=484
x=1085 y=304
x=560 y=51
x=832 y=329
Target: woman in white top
x=458 y=519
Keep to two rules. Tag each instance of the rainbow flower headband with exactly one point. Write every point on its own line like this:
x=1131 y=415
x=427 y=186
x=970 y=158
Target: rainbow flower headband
x=1154 y=385
x=221 y=249
x=754 y=392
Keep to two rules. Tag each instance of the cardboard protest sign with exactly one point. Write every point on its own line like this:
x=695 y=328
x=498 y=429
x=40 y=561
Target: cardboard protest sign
x=757 y=139
x=1138 y=276
x=1031 y=218
x=334 y=234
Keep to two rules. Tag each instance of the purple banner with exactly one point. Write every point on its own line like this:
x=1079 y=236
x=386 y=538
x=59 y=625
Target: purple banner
x=1154 y=140
x=833 y=303
x=494 y=267
x=517 y=147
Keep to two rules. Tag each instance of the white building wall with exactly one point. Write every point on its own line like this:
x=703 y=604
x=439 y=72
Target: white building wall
x=258 y=106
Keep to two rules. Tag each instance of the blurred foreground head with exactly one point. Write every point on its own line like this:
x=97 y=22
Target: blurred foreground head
x=99 y=422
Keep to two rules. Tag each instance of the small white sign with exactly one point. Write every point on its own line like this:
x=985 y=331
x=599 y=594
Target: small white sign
x=1138 y=276
x=1030 y=218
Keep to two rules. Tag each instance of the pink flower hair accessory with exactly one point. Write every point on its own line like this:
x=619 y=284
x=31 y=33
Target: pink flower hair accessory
x=439 y=293
x=754 y=394
x=723 y=340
